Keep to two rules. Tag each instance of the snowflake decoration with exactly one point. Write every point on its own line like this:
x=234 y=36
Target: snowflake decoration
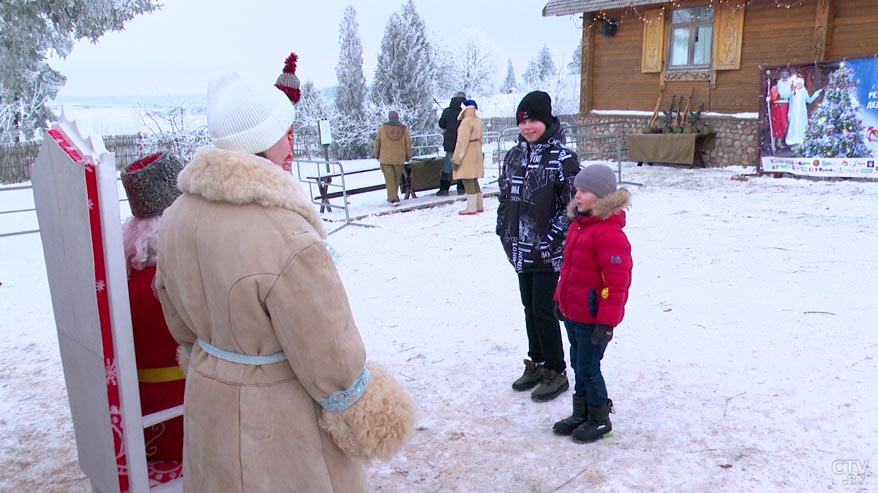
x=100 y=286
x=110 y=369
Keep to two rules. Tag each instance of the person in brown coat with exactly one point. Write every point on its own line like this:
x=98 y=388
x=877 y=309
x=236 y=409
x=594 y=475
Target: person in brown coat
x=468 y=159
x=393 y=147
x=279 y=396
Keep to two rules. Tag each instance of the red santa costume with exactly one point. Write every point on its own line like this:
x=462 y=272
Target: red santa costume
x=779 y=109
x=151 y=186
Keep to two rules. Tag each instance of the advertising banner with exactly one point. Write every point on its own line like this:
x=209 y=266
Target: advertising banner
x=820 y=119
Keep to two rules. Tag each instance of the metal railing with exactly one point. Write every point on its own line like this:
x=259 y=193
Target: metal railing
x=18 y=211
x=31 y=210
x=427 y=145
x=593 y=141
x=326 y=175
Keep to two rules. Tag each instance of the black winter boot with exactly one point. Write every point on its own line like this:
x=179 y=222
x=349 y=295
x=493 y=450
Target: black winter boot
x=597 y=426
x=460 y=189
x=444 y=184
x=580 y=414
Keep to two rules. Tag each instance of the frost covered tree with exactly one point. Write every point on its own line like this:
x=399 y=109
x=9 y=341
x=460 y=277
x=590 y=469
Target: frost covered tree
x=476 y=63
x=836 y=127
x=30 y=30
x=509 y=83
x=405 y=73
x=176 y=128
x=574 y=67
x=351 y=139
x=540 y=69
x=446 y=80
x=312 y=108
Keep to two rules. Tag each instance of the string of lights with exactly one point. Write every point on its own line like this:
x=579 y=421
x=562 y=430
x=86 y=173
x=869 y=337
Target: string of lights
x=631 y=12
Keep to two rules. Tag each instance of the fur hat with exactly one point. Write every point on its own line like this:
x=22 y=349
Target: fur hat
x=469 y=102
x=598 y=179
x=459 y=94
x=243 y=117
x=536 y=105
x=151 y=184
x=287 y=81
x=392 y=116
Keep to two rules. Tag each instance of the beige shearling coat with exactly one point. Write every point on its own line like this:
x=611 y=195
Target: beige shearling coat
x=242 y=266
x=468 y=151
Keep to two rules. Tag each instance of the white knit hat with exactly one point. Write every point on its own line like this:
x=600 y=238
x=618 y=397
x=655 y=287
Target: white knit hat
x=244 y=117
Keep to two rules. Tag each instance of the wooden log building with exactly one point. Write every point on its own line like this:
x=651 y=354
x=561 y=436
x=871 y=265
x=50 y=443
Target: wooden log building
x=633 y=50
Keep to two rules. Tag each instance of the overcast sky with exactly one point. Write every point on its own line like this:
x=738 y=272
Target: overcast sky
x=175 y=50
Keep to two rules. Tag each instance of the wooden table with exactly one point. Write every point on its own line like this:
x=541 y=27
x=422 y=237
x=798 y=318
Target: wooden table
x=670 y=148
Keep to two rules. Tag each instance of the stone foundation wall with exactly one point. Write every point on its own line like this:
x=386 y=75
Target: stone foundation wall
x=736 y=141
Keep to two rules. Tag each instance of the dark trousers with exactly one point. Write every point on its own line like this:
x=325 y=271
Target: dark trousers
x=543 y=331
x=585 y=359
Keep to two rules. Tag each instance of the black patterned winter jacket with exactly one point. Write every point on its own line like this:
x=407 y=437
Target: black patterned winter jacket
x=535 y=187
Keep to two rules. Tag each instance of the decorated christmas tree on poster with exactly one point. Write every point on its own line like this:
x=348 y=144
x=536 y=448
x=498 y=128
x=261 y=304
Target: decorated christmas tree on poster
x=835 y=129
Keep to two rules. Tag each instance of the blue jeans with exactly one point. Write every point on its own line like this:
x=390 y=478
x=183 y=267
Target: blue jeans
x=585 y=359
x=446 y=167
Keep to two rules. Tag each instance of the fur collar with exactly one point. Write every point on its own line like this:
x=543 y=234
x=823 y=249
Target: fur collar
x=605 y=206
x=466 y=112
x=237 y=178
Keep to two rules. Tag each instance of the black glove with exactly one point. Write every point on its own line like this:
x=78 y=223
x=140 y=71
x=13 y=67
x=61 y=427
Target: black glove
x=557 y=311
x=602 y=334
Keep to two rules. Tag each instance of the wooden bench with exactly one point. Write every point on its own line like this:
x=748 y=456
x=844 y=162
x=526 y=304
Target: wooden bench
x=421 y=173
x=323 y=182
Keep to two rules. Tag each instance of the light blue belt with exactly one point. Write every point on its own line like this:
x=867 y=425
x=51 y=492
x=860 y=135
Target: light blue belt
x=243 y=359
x=343 y=399
x=335 y=403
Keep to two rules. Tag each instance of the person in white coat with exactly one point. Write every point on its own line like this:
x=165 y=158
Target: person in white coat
x=799 y=101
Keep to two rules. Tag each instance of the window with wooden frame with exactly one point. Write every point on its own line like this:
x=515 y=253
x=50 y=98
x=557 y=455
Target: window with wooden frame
x=691 y=44
x=690 y=39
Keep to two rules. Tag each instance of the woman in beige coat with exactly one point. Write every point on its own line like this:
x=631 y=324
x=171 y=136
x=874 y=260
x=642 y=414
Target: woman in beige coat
x=278 y=397
x=468 y=160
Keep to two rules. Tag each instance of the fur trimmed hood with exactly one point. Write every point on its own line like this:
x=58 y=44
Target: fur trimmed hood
x=605 y=206
x=237 y=178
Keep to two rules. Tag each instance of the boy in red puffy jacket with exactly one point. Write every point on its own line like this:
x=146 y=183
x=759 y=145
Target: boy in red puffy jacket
x=591 y=294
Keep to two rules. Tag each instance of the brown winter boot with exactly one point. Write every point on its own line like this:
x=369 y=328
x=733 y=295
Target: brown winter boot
x=580 y=414
x=552 y=385
x=530 y=378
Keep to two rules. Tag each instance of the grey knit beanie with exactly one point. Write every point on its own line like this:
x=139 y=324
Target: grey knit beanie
x=598 y=179
x=151 y=184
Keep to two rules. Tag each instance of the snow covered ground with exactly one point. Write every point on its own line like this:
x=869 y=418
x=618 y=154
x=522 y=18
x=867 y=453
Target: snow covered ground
x=746 y=361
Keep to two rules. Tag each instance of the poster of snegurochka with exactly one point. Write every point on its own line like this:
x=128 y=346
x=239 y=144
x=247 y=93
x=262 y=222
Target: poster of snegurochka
x=820 y=119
